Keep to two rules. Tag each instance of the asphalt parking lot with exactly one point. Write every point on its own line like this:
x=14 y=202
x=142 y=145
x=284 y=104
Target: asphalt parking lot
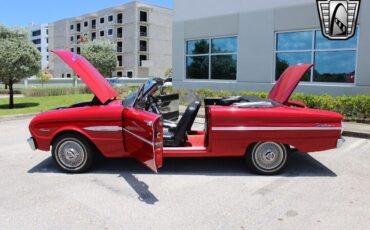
x=326 y=190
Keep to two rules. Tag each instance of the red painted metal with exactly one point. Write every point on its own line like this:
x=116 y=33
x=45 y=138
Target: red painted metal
x=88 y=74
x=129 y=132
x=287 y=82
x=138 y=134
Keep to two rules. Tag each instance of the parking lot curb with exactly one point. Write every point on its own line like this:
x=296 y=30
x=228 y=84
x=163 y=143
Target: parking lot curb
x=16 y=117
x=356 y=134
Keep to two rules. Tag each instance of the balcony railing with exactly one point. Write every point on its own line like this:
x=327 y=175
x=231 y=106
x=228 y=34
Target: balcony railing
x=119 y=49
x=119 y=21
x=143 y=34
x=93 y=27
x=119 y=35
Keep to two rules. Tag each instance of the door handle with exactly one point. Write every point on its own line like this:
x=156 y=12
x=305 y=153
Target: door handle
x=148 y=123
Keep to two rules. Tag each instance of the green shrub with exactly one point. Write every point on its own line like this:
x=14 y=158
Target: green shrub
x=353 y=108
x=54 y=91
x=57 y=91
x=6 y=91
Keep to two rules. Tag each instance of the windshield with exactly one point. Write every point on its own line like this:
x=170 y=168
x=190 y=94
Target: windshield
x=139 y=93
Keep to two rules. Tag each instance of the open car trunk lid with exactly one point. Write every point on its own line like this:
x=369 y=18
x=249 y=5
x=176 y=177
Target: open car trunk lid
x=89 y=75
x=287 y=82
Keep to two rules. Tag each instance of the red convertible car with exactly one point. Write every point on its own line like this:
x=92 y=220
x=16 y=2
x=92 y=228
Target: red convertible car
x=263 y=131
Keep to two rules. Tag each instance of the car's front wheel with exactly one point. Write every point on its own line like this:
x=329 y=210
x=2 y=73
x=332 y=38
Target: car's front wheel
x=73 y=153
x=267 y=158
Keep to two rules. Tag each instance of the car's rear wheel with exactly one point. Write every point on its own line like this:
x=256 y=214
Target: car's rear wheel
x=267 y=158
x=73 y=153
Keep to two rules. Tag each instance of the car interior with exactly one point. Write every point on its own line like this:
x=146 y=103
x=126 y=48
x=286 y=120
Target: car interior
x=179 y=134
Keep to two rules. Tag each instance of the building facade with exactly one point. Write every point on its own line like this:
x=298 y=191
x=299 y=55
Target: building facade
x=38 y=34
x=142 y=34
x=245 y=45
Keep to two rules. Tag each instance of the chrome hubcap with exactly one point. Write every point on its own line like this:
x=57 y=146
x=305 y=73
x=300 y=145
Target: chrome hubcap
x=269 y=155
x=71 y=154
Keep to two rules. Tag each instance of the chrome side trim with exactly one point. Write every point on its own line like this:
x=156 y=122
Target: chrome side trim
x=44 y=130
x=186 y=148
x=242 y=128
x=138 y=137
x=103 y=128
x=31 y=142
x=340 y=142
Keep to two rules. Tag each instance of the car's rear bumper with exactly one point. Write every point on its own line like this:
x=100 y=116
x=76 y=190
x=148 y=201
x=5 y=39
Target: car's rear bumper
x=340 y=142
x=31 y=142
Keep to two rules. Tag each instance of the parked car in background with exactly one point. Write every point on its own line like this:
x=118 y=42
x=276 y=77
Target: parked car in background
x=167 y=82
x=262 y=131
x=114 y=82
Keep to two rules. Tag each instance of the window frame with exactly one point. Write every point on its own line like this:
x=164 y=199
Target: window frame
x=209 y=55
x=313 y=50
x=110 y=30
x=110 y=18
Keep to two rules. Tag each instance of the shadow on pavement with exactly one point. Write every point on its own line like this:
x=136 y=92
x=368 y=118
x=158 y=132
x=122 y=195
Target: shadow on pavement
x=20 y=105
x=141 y=188
x=299 y=165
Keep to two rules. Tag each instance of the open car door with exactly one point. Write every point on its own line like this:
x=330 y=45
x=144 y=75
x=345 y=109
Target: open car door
x=143 y=137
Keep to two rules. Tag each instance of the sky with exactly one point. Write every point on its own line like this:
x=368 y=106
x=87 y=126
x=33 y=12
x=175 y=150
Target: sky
x=20 y=13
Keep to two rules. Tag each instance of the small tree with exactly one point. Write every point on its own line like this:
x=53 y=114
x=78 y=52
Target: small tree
x=102 y=54
x=19 y=58
x=168 y=73
x=44 y=76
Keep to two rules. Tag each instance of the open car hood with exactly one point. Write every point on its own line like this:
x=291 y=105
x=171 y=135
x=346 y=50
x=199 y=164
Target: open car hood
x=89 y=75
x=287 y=82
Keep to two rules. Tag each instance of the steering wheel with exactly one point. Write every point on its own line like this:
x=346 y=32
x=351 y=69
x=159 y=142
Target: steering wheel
x=152 y=103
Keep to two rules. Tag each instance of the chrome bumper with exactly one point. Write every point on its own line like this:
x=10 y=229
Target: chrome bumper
x=340 y=142
x=31 y=142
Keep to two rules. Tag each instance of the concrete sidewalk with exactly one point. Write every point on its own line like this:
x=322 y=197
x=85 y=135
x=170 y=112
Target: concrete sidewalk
x=351 y=129
x=7 y=96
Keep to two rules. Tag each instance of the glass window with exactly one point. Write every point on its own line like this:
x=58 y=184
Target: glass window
x=335 y=66
x=324 y=43
x=110 y=18
x=143 y=16
x=294 y=41
x=71 y=27
x=110 y=31
x=284 y=60
x=223 y=67
x=93 y=24
x=101 y=20
x=214 y=58
x=36 y=33
x=224 y=45
x=334 y=60
x=197 y=47
x=197 y=67
x=86 y=24
x=36 y=41
x=102 y=33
